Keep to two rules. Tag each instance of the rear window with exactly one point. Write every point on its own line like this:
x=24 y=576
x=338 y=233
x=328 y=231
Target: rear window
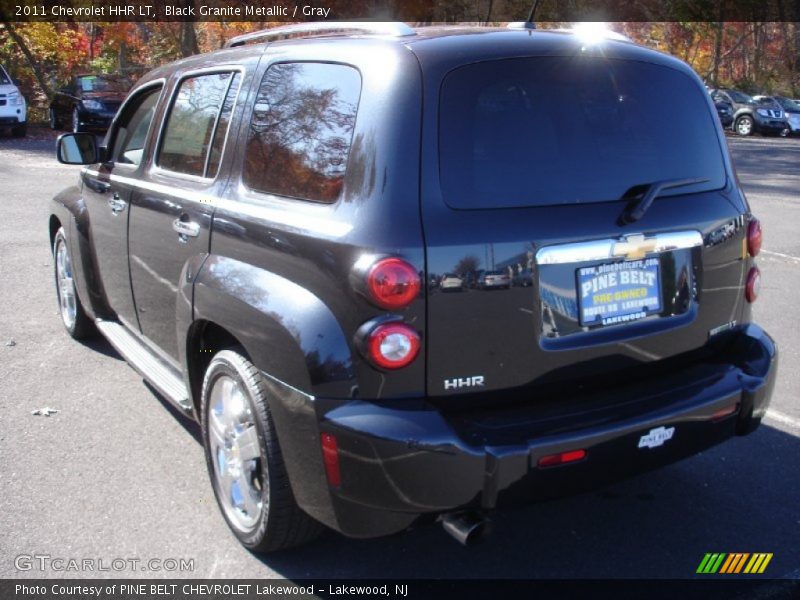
x=301 y=130
x=560 y=130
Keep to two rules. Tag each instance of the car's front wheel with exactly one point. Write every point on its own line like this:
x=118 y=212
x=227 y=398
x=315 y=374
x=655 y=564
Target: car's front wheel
x=744 y=125
x=244 y=459
x=20 y=131
x=76 y=321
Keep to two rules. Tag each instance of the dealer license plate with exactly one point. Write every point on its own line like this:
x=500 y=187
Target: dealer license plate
x=619 y=292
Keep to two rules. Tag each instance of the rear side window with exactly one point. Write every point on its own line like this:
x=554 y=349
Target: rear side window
x=198 y=123
x=301 y=130
x=560 y=130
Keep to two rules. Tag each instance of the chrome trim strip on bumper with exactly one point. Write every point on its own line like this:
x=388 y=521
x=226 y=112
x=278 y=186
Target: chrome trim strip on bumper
x=608 y=249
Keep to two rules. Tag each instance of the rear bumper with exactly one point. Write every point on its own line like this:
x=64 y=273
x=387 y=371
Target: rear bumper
x=397 y=463
x=11 y=121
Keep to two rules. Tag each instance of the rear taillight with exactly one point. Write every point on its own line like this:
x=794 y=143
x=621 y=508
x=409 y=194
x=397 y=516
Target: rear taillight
x=392 y=345
x=754 y=237
x=392 y=283
x=562 y=458
x=753 y=285
x=330 y=456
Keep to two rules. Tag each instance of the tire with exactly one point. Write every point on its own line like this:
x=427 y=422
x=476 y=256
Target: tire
x=244 y=459
x=744 y=125
x=73 y=316
x=20 y=131
x=54 y=124
x=76 y=121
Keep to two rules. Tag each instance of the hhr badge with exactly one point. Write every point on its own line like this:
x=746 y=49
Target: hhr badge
x=463 y=382
x=656 y=437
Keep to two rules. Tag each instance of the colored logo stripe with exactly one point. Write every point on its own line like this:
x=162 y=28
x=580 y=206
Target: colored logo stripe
x=723 y=563
x=711 y=563
x=758 y=563
x=734 y=563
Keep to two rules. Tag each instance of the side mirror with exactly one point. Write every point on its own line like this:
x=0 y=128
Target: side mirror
x=16 y=82
x=77 y=149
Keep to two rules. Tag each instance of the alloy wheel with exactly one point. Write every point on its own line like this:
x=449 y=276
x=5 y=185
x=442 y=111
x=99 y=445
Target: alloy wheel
x=236 y=454
x=66 y=287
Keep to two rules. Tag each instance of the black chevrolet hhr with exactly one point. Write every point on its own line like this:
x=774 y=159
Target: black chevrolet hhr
x=258 y=232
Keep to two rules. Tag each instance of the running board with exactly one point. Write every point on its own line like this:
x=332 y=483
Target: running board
x=159 y=374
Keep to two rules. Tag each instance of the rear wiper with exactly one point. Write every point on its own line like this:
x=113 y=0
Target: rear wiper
x=636 y=208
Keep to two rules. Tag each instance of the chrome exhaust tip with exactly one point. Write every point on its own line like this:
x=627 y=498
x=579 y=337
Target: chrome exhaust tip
x=467 y=527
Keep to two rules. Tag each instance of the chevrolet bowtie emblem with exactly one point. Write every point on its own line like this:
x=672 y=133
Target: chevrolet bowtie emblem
x=634 y=247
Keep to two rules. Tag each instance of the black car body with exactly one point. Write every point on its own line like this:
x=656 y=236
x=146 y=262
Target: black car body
x=88 y=103
x=291 y=266
x=750 y=116
x=725 y=113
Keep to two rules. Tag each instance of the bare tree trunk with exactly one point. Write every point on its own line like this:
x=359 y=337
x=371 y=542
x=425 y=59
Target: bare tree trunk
x=92 y=40
x=123 y=57
x=758 y=53
x=796 y=62
x=34 y=64
x=720 y=31
x=188 y=34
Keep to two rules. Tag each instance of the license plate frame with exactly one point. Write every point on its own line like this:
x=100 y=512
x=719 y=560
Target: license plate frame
x=618 y=292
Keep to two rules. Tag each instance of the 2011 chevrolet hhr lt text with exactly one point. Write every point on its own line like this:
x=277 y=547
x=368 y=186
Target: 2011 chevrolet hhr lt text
x=265 y=232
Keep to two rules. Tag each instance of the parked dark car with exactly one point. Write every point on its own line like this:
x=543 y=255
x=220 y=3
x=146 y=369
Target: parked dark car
x=88 y=103
x=725 y=113
x=792 y=110
x=330 y=385
x=749 y=116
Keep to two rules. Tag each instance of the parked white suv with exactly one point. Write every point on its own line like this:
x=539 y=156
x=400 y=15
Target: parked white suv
x=13 y=108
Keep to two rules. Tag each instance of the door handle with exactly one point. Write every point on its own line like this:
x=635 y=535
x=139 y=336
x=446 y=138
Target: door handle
x=101 y=187
x=186 y=228
x=117 y=204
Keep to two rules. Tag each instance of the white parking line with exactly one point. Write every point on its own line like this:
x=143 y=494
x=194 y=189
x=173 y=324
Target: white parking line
x=784 y=419
x=782 y=255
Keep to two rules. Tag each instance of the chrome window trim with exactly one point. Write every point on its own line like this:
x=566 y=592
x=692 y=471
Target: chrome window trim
x=604 y=249
x=155 y=168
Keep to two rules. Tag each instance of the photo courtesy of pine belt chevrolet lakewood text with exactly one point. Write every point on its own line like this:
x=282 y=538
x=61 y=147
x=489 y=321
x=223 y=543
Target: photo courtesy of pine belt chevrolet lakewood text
x=398 y=272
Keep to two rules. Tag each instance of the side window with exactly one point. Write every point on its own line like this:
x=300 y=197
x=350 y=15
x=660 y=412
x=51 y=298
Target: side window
x=198 y=120
x=301 y=130
x=218 y=143
x=131 y=132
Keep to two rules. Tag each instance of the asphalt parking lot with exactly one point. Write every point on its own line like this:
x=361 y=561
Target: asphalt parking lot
x=117 y=474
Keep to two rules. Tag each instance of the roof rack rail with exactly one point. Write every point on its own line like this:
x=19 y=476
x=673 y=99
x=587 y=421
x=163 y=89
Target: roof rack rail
x=389 y=28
